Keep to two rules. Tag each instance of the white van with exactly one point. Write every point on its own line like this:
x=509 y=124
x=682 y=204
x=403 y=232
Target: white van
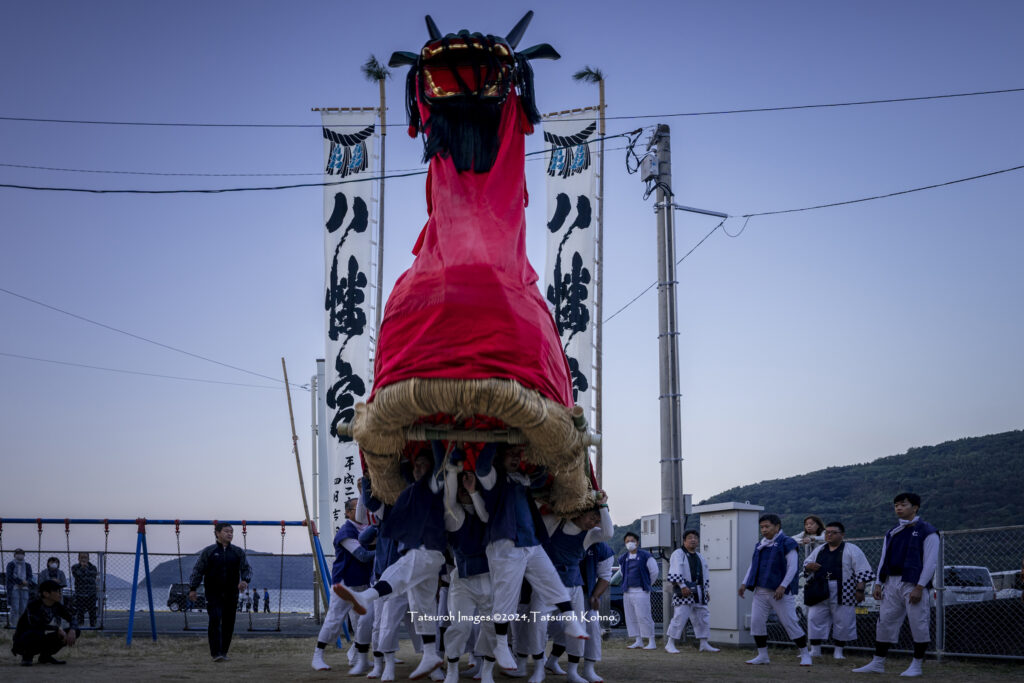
x=966 y=583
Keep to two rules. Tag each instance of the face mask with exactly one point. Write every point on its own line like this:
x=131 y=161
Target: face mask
x=19 y=558
x=631 y=546
x=53 y=565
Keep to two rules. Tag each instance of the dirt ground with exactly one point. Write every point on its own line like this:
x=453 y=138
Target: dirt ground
x=104 y=657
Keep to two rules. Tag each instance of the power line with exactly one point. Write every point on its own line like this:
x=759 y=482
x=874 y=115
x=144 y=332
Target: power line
x=748 y=216
x=156 y=173
x=651 y=286
x=635 y=116
x=223 y=190
x=141 y=338
x=820 y=106
x=884 y=196
x=221 y=175
x=218 y=190
x=135 y=372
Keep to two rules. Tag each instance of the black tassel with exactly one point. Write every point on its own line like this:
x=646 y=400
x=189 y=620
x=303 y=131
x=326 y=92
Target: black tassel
x=466 y=131
x=412 y=109
x=526 y=92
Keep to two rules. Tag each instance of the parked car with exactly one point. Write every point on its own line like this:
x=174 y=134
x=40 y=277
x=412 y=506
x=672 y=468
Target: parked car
x=177 y=598
x=966 y=583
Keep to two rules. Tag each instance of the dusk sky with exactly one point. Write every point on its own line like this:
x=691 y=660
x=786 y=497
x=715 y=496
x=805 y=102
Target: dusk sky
x=818 y=338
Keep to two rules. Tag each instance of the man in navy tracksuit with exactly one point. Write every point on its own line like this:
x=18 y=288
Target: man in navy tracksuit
x=513 y=550
x=774 y=581
x=416 y=523
x=225 y=572
x=352 y=564
x=910 y=556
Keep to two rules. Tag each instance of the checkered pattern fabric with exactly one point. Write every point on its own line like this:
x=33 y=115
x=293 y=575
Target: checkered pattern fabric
x=847 y=596
x=679 y=600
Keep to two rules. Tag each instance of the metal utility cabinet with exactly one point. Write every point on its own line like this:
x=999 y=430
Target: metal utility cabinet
x=728 y=532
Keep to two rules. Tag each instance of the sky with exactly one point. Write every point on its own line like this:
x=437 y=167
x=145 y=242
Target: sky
x=810 y=339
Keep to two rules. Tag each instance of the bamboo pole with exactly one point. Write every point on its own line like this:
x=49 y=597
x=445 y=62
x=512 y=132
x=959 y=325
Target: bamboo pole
x=380 y=211
x=302 y=485
x=440 y=433
x=599 y=298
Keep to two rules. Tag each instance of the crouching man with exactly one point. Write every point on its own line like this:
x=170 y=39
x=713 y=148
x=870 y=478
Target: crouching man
x=40 y=631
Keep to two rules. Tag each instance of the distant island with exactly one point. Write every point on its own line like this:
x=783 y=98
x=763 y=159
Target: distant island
x=266 y=571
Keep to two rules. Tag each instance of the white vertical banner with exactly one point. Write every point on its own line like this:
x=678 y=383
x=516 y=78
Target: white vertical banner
x=572 y=212
x=350 y=144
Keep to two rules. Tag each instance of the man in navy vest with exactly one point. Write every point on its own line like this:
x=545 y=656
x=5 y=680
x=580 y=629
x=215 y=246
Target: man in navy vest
x=416 y=522
x=395 y=606
x=352 y=563
x=639 y=571
x=470 y=596
x=910 y=556
x=774 y=581
x=567 y=543
x=596 y=569
x=513 y=549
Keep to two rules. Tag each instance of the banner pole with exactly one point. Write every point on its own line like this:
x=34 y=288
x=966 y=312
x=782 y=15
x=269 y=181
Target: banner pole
x=599 y=296
x=302 y=485
x=380 y=213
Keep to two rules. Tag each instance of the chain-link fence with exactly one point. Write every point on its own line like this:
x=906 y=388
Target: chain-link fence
x=282 y=586
x=108 y=588
x=972 y=615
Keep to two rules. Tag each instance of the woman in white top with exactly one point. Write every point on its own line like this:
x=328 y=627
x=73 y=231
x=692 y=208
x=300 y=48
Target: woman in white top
x=812 y=536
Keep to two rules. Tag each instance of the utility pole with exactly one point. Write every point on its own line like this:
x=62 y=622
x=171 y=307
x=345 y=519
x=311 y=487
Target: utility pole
x=674 y=504
x=668 y=354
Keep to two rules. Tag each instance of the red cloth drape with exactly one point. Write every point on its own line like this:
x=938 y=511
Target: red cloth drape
x=469 y=306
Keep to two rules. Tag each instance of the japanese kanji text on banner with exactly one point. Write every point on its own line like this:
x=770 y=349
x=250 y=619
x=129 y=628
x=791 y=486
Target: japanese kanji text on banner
x=569 y=280
x=350 y=143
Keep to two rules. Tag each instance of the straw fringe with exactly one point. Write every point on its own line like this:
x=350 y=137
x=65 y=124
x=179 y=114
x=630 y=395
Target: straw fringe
x=554 y=441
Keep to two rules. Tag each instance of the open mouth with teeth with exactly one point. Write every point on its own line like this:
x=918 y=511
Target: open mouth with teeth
x=456 y=88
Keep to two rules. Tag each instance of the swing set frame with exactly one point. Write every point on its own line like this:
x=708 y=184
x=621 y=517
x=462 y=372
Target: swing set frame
x=142 y=551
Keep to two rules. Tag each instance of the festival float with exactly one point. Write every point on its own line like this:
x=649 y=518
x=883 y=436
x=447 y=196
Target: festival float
x=468 y=352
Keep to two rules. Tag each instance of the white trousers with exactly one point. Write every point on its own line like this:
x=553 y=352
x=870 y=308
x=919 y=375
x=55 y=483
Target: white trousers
x=509 y=564
x=896 y=605
x=337 y=611
x=785 y=609
x=415 y=574
x=469 y=598
x=524 y=635
x=530 y=631
x=592 y=647
x=639 y=621
x=390 y=611
x=829 y=613
x=698 y=615
x=556 y=629
x=442 y=611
